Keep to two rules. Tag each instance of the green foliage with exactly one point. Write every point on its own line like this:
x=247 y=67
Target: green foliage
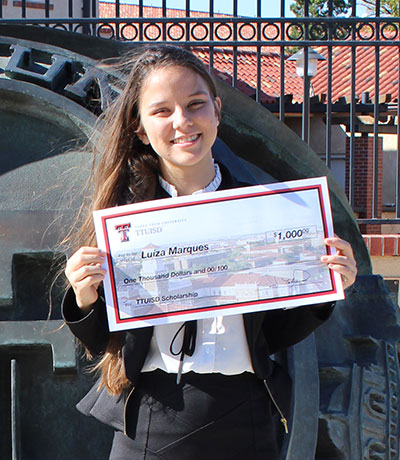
x=319 y=8
x=388 y=7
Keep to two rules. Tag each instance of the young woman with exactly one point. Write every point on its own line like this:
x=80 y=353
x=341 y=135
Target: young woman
x=156 y=142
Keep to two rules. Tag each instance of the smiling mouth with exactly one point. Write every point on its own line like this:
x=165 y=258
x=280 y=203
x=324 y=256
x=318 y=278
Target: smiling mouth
x=183 y=140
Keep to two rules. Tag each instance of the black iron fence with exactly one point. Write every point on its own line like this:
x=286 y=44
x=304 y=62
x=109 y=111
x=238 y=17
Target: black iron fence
x=263 y=39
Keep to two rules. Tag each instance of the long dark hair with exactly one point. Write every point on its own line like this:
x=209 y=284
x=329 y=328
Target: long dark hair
x=126 y=170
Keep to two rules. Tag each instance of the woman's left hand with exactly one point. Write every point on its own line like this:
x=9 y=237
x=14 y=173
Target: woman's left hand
x=343 y=261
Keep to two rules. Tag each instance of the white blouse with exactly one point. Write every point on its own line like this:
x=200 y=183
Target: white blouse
x=221 y=344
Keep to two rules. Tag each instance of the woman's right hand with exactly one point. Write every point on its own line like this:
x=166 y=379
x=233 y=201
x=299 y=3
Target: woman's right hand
x=84 y=273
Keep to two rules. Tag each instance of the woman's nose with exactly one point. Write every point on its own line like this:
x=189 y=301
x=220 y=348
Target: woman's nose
x=181 y=118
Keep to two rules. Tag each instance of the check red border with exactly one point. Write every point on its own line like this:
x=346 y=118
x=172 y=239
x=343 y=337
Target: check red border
x=158 y=206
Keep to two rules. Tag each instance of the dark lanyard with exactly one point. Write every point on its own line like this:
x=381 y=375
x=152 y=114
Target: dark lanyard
x=188 y=344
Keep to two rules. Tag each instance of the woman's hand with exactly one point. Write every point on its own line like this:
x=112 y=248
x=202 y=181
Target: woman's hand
x=84 y=273
x=343 y=261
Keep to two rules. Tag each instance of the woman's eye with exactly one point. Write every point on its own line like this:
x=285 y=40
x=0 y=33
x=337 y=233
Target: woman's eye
x=160 y=111
x=196 y=104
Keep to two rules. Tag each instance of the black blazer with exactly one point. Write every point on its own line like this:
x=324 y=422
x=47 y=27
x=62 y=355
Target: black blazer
x=267 y=332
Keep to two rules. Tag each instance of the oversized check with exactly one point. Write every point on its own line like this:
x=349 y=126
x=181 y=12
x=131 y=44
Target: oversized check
x=219 y=253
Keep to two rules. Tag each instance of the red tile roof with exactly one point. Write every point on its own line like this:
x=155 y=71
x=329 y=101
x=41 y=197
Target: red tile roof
x=365 y=71
x=270 y=62
x=108 y=10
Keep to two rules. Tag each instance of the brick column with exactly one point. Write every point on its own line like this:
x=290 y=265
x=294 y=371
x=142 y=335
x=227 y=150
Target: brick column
x=383 y=245
x=363 y=179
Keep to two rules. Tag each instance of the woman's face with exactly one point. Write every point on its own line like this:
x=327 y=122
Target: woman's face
x=179 y=118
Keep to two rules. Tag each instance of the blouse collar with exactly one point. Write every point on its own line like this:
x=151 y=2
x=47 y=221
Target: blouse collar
x=211 y=187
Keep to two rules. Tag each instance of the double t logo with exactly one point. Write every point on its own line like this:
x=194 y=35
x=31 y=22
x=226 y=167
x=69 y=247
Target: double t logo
x=123 y=230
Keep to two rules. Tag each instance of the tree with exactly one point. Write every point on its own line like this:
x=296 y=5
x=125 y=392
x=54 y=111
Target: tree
x=319 y=8
x=388 y=7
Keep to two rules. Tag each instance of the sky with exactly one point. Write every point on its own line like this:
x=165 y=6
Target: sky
x=270 y=8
